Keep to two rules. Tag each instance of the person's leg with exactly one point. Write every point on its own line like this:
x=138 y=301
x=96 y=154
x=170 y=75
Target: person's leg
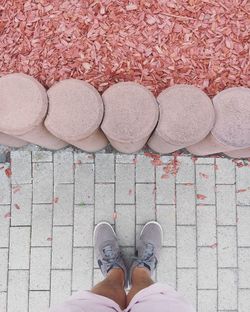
x=140 y=279
x=148 y=251
x=112 y=287
x=111 y=263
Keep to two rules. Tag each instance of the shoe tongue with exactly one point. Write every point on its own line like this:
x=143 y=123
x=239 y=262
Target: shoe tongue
x=148 y=251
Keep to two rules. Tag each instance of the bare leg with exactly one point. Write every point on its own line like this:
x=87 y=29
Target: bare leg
x=112 y=287
x=140 y=280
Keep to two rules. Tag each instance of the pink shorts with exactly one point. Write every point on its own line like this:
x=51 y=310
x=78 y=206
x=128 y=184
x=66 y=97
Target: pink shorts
x=156 y=298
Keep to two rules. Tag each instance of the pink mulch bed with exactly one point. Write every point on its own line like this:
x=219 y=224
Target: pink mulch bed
x=156 y=43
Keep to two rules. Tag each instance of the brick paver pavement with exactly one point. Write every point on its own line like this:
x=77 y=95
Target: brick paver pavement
x=50 y=202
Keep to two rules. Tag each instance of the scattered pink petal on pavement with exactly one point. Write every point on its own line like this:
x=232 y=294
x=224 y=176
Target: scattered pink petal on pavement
x=203 y=175
x=7 y=215
x=114 y=215
x=201 y=196
x=17 y=206
x=56 y=199
x=213 y=245
x=8 y=172
x=156 y=43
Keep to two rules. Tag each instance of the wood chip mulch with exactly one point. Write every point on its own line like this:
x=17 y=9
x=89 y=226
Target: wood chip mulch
x=157 y=43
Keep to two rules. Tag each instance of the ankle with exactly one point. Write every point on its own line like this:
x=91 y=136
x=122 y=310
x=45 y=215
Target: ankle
x=141 y=276
x=116 y=276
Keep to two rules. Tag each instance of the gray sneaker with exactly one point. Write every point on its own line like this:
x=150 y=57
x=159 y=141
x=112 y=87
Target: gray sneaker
x=107 y=249
x=148 y=248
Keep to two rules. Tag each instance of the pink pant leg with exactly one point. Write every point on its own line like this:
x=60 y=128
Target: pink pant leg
x=85 y=301
x=159 y=298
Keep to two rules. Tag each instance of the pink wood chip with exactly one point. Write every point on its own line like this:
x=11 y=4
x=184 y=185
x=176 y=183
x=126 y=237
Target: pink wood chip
x=131 y=113
x=232 y=127
x=186 y=117
x=75 y=113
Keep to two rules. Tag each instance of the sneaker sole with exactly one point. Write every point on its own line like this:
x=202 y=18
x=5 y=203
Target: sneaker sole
x=153 y=222
x=101 y=223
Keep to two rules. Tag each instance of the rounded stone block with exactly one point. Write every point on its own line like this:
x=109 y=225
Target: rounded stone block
x=241 y=153
x=131 y=114
x=232 y=127
x=75 y=114
x=23 y=106
x=186 y=117
x=11 y=141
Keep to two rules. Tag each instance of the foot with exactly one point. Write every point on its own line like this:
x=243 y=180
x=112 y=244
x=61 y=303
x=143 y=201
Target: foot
x=148 y=249
x=107 y=249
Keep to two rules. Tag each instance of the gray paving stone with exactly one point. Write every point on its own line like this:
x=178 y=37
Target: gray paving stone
x=18 y=291
x=63 y=204
x=138 y=230
x=227 y=289
x=185 y=204
x=186 y=284
x=225 y=171
x=40 y=268
x=166 y=216
x=42 y=183
x=227 y=247
x=204 y=160
x=83 y=225
x=145 y=171
x=243 y=226
x=104 y=203
x=205 y=184
x=207 y=300
x=3 y=269
x=104 y=168
x=244 y=300
x=83 y=158
x=60 y=286
x=226 y=204
x=125 y=159
x=63 y=167
x=244 y=267
x=3 y=301
x=21 y=205
x=128 y=253
x=4 y=225
x=62 y=247
x=42 y=156
x=125 y=224
x=185 y=173
x=243 y=185
x=82 y=268
x=145 y=203
x=84 y=184
x=19 y=248
x=38 y=301
x=186 y=247
x=165 y=187
x=207 y=268
x=20 y=167
x=206 y=226
x=109 y=198
x=98 y=277
x=166 y=270
x=125 y=184
x=5 y=191
x=41 y=233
